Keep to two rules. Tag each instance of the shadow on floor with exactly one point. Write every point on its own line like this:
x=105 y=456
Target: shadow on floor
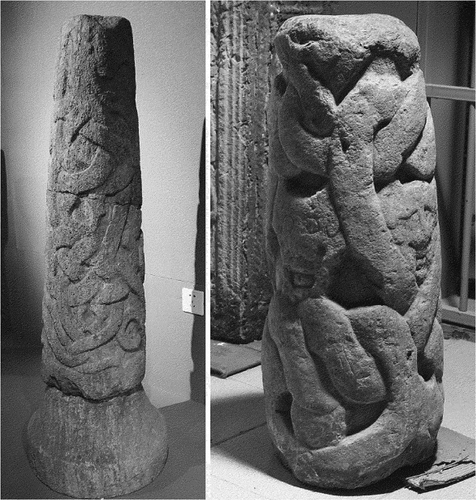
x=253 y=447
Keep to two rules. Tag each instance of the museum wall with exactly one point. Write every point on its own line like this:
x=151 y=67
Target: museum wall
x=170 y=77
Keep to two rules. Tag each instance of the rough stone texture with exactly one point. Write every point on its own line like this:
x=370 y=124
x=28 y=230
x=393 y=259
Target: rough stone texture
x=352 y=346
x=242 y=71
x=90 y=436
x=95 y=420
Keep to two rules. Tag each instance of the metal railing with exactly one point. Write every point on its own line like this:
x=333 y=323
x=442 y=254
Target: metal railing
x=468 y=95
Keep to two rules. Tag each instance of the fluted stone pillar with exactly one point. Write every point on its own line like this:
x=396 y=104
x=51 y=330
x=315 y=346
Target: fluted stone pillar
x=243 y=66
x=352 y=346
x=96 y=434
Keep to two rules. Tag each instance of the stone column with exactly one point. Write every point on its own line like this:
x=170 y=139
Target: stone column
x=352 y=346
x=242 y=71
x=96 y=433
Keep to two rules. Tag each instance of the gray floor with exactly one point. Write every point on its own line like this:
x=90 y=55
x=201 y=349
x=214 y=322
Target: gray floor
x=243 y=463
x=22 y=390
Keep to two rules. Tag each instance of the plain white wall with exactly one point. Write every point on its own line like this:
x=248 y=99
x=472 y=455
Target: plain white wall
x=169 y=42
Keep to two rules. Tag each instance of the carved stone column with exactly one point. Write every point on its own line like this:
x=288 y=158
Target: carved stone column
x=96 y=433
x=352 y=346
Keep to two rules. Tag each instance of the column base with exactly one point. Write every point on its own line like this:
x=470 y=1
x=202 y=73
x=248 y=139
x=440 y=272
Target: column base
x=89 y=449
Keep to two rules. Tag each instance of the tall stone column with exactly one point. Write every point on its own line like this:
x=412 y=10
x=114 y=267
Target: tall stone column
x=96 y=433
x=352 y=346
x=242 y=72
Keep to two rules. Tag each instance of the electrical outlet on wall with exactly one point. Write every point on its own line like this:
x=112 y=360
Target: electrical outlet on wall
x=192 y=301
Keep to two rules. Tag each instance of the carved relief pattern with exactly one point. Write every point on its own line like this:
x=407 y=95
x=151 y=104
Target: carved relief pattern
x=352 y=348
x=94 y=310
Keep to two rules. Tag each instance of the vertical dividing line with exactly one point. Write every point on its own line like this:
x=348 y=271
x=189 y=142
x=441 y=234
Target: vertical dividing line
x=240 y=158
x=208 y=240
x=216 y=136
x=468 y=204
x=233 y=222
x=423 y=12
x=467 y=215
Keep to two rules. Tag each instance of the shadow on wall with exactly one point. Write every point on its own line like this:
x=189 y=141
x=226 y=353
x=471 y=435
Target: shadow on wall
x=197 y=377
x=22 y=283
x=6 y=328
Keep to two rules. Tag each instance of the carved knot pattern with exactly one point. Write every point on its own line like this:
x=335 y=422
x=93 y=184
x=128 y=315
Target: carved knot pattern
x=352 y=357
x=94 y=310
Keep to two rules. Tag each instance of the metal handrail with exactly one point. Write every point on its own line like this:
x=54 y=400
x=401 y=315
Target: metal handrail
x=450 y=92
x=466 y=94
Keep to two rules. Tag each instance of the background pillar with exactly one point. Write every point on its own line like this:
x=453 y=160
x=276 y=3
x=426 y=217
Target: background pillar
x=243 y=66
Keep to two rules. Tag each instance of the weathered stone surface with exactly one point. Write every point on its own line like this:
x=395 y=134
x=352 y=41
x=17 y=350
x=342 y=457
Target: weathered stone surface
x=242 y=71
x=352 y=346
x=93 y=309
x=91 y=436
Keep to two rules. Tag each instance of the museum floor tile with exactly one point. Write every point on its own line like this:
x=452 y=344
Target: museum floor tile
x=244 y=465
x=22 y=390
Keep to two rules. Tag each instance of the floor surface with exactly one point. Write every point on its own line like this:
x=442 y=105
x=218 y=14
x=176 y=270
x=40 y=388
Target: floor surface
x=22 y=390
x=243 y=463
x=245 y=467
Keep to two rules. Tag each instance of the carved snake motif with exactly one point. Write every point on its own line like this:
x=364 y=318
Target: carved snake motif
x=354 y=244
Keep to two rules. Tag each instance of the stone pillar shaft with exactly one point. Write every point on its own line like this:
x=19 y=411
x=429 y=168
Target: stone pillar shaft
x=239 y=91
x=94 y=310
x=352 y=346
x=95 y=419
x=242 y=71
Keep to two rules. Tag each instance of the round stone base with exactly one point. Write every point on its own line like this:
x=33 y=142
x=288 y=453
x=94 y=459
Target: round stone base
x=89 y=449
